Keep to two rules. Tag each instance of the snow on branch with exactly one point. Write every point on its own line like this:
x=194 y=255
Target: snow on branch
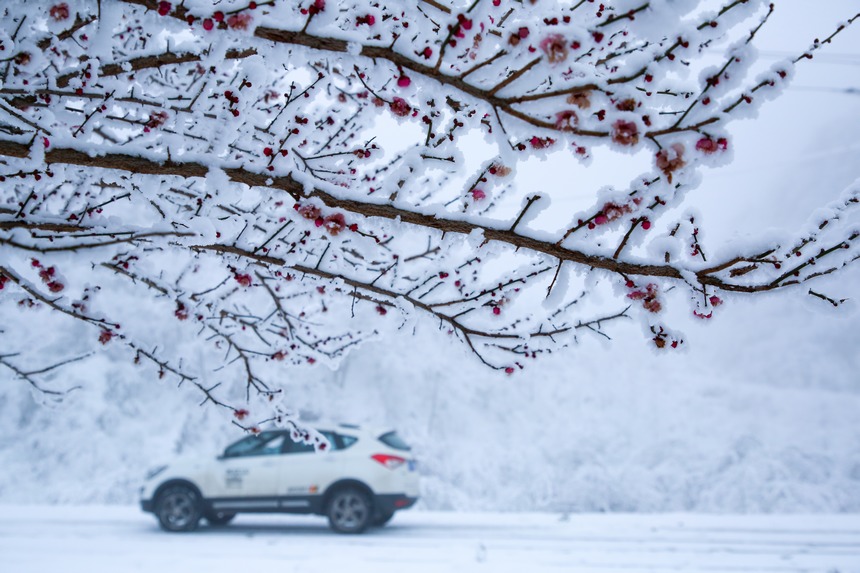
x=219 y=193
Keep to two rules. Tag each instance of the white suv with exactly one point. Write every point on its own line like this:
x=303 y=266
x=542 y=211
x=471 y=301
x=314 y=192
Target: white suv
x=360 y=478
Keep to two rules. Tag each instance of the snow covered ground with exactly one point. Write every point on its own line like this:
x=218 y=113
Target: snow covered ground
x=97 y=539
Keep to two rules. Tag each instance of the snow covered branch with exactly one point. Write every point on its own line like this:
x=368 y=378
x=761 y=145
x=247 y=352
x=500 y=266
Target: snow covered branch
x=226 y=191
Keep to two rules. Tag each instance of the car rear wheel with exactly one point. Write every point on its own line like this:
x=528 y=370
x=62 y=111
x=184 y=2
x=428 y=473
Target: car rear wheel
x=218 y=518
x=178 y=508
x=349 y=510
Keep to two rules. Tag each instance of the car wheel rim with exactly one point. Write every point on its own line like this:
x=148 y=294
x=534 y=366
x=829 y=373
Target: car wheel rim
x=350 y=511
x=178 y=509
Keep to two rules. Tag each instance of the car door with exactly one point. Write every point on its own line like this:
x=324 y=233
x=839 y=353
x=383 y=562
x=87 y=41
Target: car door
x=248 y=474
x=305 y=472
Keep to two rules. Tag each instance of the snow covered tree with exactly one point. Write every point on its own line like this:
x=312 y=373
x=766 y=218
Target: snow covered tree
x=218 y=189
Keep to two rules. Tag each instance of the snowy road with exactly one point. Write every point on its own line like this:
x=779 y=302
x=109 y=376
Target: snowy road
x=97 y=539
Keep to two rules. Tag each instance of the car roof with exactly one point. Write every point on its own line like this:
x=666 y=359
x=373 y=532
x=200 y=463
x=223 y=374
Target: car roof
x=348 y=429
x=352 y=429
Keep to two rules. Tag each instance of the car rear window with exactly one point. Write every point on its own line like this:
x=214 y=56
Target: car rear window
x=346 y=441
x=392 y=440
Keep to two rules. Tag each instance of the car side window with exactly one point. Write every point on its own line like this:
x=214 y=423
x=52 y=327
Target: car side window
x=298 y=448
x=265 y=444
x=272 y=443
x=292 y=447
x=273 y=447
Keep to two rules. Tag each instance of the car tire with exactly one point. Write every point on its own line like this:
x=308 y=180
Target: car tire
x=178 y=508
x=380 y=519
x=218 y=518
x=349 y=510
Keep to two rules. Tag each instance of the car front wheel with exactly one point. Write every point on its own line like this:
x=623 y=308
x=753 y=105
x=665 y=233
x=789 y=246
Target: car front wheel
x=350 y=510
x=178 y=508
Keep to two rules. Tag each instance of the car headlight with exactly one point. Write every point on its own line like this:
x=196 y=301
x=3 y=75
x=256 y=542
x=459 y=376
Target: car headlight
x=154 y=472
